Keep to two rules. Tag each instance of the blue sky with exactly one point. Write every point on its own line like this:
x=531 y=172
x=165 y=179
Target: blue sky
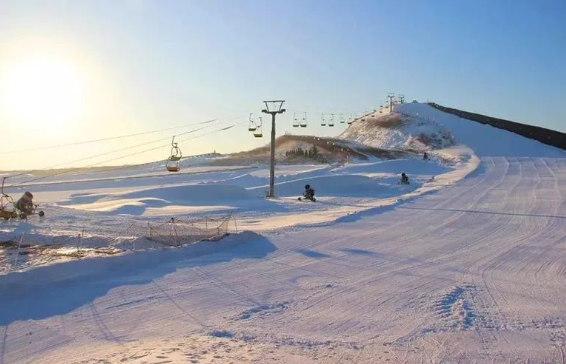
x=150 y=64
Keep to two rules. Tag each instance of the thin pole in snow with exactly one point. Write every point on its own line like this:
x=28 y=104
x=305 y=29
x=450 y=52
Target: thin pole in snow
x=79 y=241
x=18 y=252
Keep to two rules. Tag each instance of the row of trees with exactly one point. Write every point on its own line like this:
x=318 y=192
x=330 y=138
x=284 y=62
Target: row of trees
x=311 y=153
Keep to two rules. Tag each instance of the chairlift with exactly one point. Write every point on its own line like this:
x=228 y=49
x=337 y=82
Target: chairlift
x=173 y=162
x=252 y=126
x=258 y=133
x=303 y=121
x=295 y=120
x=342 y=120
x=331 y=121
x=322 y=120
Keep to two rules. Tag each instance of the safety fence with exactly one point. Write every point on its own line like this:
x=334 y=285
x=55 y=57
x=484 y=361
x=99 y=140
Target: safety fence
x=19 y=251
x=177 y=232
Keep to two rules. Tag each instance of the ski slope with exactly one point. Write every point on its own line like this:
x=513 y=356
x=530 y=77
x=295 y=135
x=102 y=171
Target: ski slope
x=474 y=272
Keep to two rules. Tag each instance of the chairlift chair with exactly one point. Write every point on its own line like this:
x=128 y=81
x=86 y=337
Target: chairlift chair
x=173 y=163
x=258 y=133
x=303 y=121
x=252 y=126
x=331 y=121
x=342 y=120
x=322 y=120
x=295 y=120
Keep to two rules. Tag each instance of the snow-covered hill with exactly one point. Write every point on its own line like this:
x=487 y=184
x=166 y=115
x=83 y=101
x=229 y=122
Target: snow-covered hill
x=420 y=127
x=399 y=131
x=329 y=150
x=484 y=140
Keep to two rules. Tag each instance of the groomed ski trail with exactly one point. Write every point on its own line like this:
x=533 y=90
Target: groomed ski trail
x=473 y=273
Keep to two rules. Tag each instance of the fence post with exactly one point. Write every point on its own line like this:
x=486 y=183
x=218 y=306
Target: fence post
x=174 y=231
x=18 y=252
x=79 y=241
x=151 y=236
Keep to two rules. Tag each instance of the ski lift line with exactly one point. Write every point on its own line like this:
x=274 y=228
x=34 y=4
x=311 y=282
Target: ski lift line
x=118 y=158
x=119 y=150
x=105 y=139
x=99 y=155
x=320 y=113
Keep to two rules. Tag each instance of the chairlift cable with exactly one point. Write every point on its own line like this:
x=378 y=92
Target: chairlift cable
x=105 y=139
x=121 y=157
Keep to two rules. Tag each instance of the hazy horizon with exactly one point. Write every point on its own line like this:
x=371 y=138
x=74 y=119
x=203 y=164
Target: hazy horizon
x=75 y=71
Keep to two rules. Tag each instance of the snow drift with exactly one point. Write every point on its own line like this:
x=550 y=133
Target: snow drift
x=185 y=195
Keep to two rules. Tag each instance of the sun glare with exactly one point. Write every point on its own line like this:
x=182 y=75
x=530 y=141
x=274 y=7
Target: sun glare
x=42 y=91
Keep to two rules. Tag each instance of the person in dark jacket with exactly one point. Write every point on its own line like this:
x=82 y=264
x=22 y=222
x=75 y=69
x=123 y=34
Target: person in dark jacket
x=309 y=193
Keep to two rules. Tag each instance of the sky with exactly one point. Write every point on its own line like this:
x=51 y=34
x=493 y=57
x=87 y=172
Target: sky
x=73 y=71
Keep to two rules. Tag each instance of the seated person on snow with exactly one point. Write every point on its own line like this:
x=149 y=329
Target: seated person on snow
x=309 y=193
x=25 y=203
x=404 y=178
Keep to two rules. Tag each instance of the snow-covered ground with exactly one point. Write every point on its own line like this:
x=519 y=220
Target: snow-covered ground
x=466 y=267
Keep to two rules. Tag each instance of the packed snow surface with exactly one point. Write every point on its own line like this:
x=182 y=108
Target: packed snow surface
x=468 y=266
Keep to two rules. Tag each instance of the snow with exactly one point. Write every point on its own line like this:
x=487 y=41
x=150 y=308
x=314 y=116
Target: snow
x=465 y=264
x=399 y=131
x=485 y=140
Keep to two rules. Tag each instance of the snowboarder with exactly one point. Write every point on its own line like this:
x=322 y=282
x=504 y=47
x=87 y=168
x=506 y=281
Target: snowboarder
x=425 y=156
x=404 y=178
x=308 y=194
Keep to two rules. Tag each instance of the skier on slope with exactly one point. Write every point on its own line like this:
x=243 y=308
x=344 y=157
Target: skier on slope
x=404 y=178
x=308 y=194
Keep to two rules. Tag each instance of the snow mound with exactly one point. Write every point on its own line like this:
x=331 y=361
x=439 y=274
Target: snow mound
x=399 y=131
x=136 y=202
x=484 y=140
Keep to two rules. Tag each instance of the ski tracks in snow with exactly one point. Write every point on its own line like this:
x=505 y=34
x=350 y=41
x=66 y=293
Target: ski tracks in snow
x=472 y=273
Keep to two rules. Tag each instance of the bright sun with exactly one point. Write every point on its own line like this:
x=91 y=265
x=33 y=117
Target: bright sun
x=44 y=91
